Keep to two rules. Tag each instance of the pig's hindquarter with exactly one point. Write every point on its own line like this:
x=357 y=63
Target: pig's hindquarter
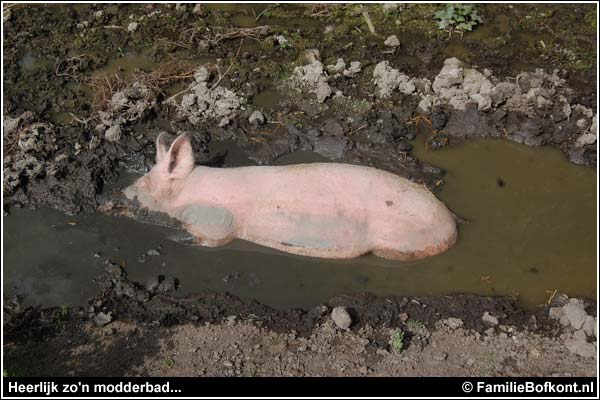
x=321 y=210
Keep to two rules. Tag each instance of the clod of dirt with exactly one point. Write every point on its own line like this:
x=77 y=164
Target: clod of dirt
x=575 y=313
x=203 y=102
x=355 y=68
x=102 y=319
x=392 y=41
x=572 y=315
x=10 y=124
x=589 y=326
x=126 y=106
x=390 y=8
x=341 y=317
x=452 y=323
x=540 y=92
x=389 y=79
x=132 y=27
x=489 y=319
x=590 y=137
x=281 y=40
x=311 y=78
x=153 y=252
x=339 y=68
x=534 y=108
x=578 y=344
x=113 y=134
x=29 y=150
x=167 y=285
x=256 y=118
x=153 y=283
x=459 y=85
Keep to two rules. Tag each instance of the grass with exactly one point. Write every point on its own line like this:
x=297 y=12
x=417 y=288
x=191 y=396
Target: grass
x=169 y=362
x=397 y=341
x=61 y=314
x=415 y=325
x=6 y=373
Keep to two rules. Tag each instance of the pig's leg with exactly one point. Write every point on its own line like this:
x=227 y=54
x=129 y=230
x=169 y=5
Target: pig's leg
x=393 y=254
x=212 y=226
x=416 y=253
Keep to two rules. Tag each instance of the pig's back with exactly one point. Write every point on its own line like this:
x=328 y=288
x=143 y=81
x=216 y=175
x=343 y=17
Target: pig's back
x=326 y=206
x=326 y=210
x=329 y=184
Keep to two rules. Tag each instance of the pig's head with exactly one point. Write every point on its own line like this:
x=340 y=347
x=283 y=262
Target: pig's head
x=155 y=189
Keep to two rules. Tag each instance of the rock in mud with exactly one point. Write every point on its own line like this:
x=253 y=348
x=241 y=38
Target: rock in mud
x=281 y=40
x=589 y=326
x=132 y=27
x=204 y=102
x=36 y=143
x=113 y=134
x=199 y=10
x=332 y=147
x=353 y=70
x=341 y=317
x=425 y=105
x=389 y=79
x=453 y=323
x=313 y=79
x=589 y=137
x=10 y=124
x=578 y=344
x=126 y=106
x=256 y=118
x=339 y=68
x=489 y=319
x=153 y=283
x=153 y=252
x=458 y=86
x=556 y=313
x=102 y=319
x=167 y=285
x=332 y=127
x=575 y=313
x=392 y=41
x=389 y=8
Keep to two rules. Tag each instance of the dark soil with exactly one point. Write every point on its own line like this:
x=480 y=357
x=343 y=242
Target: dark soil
x=52 y=51
x=131 y=329
x=157 y=305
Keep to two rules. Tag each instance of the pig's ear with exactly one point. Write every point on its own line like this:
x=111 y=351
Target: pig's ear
x=180 y=157
x=161 y=148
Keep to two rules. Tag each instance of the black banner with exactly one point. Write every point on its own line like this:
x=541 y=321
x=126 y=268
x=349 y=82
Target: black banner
x=299 y=387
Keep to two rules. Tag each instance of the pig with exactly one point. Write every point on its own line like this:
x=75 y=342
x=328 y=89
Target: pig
x=328 y=210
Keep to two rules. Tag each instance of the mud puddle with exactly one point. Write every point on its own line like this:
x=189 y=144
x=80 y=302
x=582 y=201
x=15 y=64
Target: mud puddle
x=531 y=220
x=531 y=231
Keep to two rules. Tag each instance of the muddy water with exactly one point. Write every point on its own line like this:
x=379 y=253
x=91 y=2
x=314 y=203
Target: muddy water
x=532 y=230
x=532 y=220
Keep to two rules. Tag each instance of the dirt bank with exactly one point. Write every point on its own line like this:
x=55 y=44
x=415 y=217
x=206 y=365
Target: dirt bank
x=133 y=329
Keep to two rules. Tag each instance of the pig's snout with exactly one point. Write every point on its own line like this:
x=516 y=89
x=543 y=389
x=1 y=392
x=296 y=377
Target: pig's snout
x=131 y=191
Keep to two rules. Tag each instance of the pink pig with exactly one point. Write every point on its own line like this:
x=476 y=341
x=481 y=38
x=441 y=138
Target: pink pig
x=320 y=210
